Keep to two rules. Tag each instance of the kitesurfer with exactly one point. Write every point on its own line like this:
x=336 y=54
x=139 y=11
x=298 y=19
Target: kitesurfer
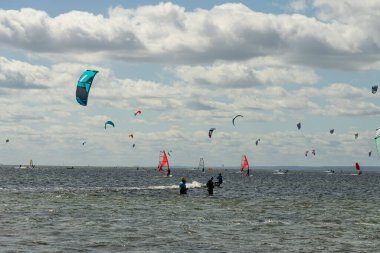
x=182 y=186
x=220 y=180
x=210 y=186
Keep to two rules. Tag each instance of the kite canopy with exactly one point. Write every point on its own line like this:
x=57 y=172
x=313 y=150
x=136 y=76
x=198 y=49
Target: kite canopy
x=210 y=132
x=7 y=140
x=233 y=120
x=356 y=135
x=306 y=152
x=332 y=131
x=130 y=136
x=257 y=142
x=313 y=151
x=108 y=123
x=299 y=125
x=84 y=85
x=137 y=112
x=374 y=89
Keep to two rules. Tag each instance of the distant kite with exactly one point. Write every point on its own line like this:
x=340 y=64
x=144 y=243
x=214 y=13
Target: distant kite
x=83 y=143
x=108 y=123
x=7 y=140
x=332 y=131
x=133 y=145
x=299 y=125
x=356 y=135
x=130 y=136
x=306 y=152
x=211 y=131
x=257 y=142
x=233 y=120
x=374 y=89
x=313 y=151
x=137 y=112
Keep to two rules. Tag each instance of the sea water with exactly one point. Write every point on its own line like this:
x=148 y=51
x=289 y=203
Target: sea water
x=93 y=209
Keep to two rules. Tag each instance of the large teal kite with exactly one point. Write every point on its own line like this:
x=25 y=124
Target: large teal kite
x=84 y=85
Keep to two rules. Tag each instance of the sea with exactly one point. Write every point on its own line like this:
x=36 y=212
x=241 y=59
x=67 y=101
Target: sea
x=113 y=209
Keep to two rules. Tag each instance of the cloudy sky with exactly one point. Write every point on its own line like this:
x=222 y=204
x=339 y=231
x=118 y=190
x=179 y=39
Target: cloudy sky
x=190 y=66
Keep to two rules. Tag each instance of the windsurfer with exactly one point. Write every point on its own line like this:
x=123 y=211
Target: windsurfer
x=210 y=186
x=182 y=186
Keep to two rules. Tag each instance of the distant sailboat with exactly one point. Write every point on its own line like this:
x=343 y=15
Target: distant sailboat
x=244 y=165
x=201 y=165
x=31 y=165
x=163 y=164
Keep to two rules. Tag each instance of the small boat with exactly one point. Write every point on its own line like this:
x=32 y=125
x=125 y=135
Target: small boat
x=20 y=167
x=70 y=168
x=280 y=172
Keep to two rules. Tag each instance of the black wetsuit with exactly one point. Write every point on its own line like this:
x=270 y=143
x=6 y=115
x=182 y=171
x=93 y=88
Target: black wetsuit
x=220 y=180
x=210 y=187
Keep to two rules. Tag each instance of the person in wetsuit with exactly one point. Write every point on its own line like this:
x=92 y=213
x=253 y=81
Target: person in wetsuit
x=210 y=186
x=182 y=186
x=220 y=180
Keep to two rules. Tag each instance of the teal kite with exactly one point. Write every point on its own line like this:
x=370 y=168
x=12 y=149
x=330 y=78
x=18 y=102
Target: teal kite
x=84 y=85
x=108 y=123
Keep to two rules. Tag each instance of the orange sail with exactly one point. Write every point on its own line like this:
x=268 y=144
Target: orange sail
x=163 y=164
x=244 y=165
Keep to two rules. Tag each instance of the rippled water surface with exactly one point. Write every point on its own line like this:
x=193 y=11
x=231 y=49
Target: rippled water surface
x=129 y=210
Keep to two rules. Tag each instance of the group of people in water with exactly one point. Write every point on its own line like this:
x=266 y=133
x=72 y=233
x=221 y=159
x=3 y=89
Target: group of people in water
x=210 y=184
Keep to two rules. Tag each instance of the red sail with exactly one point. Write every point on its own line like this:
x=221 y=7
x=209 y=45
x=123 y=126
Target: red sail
x=244 y=165
x=358 y=168
x=163 y=164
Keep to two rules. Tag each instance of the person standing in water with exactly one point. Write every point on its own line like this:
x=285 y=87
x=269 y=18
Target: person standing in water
x=182 y=186
x=220 y=180
x=210 y=186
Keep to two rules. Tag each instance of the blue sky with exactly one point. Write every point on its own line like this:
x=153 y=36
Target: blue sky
x=190 y=66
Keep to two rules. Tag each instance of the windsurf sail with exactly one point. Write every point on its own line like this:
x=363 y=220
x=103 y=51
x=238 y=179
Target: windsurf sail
x=31 y=164
x=377 y=141
x=358 y=169
x=201 y=165
x=163 y=164
x=244 y=165
x=84 y=85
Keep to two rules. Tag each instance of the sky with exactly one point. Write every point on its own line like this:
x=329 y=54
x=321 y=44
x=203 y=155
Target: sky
x=190 y=66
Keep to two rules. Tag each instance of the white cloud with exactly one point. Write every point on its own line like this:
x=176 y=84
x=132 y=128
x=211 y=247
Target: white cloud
x=168 y=33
